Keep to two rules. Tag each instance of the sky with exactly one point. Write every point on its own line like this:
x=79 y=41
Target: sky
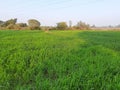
x=49 y=12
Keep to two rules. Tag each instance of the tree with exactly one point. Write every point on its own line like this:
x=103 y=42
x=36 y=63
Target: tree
x=82 y=26
x=10 y=22
x=1 y=22
x=62 y=25
x=33 y=24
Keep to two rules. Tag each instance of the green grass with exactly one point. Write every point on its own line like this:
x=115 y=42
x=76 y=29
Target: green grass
x=59 y=60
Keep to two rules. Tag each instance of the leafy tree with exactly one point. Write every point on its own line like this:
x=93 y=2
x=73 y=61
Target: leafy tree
x=33 y=24
x=1 y=23
x=62 y=25
x=82 y=26
x=10 y=22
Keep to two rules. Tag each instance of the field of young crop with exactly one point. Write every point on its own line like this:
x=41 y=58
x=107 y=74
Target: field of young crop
x=59 y=60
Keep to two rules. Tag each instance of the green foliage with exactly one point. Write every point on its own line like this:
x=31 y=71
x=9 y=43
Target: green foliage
x=34 y=24
x=10 y=22
x=62 y=25
x=1 y=23
x=59 y=60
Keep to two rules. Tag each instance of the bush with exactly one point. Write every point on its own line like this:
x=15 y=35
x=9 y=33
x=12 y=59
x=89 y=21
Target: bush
x=34 y=28
x=15 y=27
x=22 y=24
x=10 y=26
x=34 y=24
x=62 y=25
x=82 y=26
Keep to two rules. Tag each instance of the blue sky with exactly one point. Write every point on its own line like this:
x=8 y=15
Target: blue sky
x=49 y=12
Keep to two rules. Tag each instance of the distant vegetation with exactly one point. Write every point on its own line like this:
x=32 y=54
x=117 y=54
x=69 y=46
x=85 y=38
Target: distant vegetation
x=36 y=25
x=33 y=24
x=62 y=25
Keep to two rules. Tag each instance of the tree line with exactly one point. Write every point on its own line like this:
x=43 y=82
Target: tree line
x=34 y=24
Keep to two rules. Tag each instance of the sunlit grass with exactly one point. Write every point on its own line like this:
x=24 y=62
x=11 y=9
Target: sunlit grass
x=59 y=60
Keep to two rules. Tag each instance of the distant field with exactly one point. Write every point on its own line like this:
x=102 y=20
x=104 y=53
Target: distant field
x=59 y=60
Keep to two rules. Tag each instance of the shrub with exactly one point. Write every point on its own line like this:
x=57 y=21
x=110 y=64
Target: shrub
x=82 y=26
x=10 y=26
x=62 y=25
x=33 y=24
x=22 y=24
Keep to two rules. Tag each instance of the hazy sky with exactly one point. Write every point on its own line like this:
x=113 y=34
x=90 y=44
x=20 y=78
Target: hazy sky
x=49 y=12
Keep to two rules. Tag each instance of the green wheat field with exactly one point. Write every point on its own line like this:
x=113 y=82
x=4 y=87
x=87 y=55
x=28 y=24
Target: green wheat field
x=59 y=60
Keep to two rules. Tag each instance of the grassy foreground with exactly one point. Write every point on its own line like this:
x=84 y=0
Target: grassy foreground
x=59 y=60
